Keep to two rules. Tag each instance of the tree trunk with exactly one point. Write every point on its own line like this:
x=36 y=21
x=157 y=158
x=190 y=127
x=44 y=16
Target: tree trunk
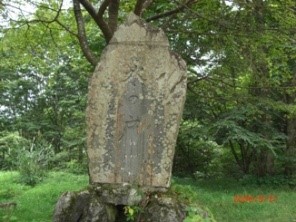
x=265 y=163
x=290 y=164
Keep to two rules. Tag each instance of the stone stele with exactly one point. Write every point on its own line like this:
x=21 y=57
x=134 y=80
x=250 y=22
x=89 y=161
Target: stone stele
x=135 y=103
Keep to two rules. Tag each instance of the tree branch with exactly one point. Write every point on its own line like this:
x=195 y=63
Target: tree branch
x=103 y=8
x=113 y=15
x=82 y=35
x=52 y=20
x=147 y=4
x=171 y=12
x=89 y=8
x=239 y=163
x=139 y=7
x=66 y=28
x=98 y=17
x=47 y=22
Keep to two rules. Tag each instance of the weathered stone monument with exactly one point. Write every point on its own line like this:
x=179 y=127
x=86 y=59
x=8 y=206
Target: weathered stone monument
x=135 y=103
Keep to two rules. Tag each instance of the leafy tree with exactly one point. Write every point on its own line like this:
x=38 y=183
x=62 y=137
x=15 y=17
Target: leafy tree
x=244 y=90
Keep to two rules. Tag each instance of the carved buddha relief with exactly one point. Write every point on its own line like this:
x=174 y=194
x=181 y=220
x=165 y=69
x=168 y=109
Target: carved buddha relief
x=131 y=139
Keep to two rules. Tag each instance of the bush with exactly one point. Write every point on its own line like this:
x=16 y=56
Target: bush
x=194 y=152
x=64 y=161
x=228 y=165
x=33 y=162
x=73 y=166
x=59 y=160
x=197 y=214
x=10 y=142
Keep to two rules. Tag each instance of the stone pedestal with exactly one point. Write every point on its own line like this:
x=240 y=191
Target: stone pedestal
x=100 y=204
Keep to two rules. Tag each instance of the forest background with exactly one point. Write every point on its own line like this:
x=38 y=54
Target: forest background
x=240 y=114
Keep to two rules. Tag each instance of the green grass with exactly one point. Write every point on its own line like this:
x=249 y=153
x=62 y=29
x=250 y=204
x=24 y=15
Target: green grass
x=218 y=196
x=36 y=204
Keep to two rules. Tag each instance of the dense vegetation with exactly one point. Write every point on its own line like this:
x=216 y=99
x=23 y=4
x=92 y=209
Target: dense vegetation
x=240 y=114
x=239 y=120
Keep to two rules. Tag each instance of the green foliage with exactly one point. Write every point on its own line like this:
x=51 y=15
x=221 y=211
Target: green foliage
x=241 y=83
x=270 y=181
x=33 y=162
x=131 y=212
x=240 y=76
x=37 y=203
x=216 y=195
x=194 y=151
x=10 y=142
x=73 y=166
x=59 y=160
x=188 y=195
x=243 y=130
x=8 y=217
x=228 y=165
x=43 y=84
x=195 y=214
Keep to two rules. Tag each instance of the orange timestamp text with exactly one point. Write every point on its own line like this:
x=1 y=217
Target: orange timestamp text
x=251 y=198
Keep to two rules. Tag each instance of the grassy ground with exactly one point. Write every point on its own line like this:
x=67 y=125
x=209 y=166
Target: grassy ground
x=36 y=204
x=230 y=200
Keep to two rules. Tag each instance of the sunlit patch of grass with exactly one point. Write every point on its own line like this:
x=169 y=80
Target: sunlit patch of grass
x=37 y=203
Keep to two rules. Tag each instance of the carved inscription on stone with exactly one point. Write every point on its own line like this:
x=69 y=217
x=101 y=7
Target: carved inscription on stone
x=135 y=103
x=131 y=117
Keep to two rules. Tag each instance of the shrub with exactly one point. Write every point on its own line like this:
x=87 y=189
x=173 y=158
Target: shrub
x=73 y=166
x=59 y=160
x=194 y=152
x=10 y=142
x=33 y=162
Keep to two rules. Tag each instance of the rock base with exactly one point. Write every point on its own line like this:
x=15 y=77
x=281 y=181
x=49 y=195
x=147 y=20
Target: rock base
x=99 y=204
